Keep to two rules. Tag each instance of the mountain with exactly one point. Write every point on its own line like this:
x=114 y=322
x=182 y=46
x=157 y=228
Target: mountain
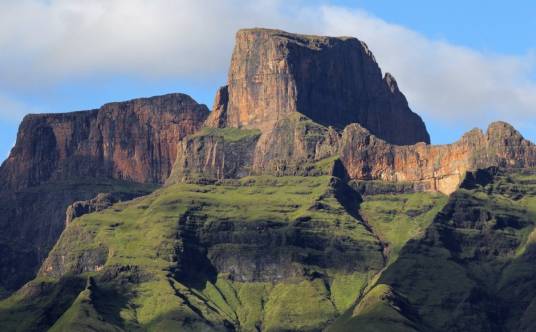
x=308 y=199
x=472 y=270
x=333 y=81
x=58 y=159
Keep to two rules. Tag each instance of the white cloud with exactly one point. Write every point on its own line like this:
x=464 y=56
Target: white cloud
x=441 y=80
x=46 y=42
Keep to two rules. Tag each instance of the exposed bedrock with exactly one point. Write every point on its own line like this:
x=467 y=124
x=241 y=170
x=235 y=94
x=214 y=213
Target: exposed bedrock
x=333 y=81
x=125 y=148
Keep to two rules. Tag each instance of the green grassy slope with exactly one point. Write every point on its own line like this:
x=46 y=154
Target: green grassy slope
x=473 y=269
x=291 y=254
x=262 y=252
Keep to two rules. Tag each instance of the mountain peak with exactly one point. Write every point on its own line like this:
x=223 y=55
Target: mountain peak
x=335 y=81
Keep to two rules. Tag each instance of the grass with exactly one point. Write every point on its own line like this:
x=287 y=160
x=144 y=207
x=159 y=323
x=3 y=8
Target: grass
x=140 y=244
x=228 y=134
x=471 y=269
x=399 y=218
x=192 y=257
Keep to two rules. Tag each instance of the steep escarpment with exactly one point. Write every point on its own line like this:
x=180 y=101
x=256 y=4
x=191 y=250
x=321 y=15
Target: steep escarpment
x=124 y=148
x=238 y=254
x=333 y=81
x=132 y=141
x=296 y=145
x=434 y=167
x=314 y=99
x=472 y=270
x=309 y=199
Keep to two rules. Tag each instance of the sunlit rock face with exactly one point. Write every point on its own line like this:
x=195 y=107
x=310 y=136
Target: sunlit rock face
x=126 y=148
x=434 y=167
x=333 y=81
x=134 y=140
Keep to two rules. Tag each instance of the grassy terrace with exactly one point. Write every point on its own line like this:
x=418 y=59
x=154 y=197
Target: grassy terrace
x=399 y=218
x=228 y=134
x=132 y=250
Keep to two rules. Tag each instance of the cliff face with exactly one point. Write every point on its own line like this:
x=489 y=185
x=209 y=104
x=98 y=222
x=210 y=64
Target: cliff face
x=315 y=98
x=63 y=158
x=297 y=145
x=133 y=141
x=434 y=168
x=333 y=81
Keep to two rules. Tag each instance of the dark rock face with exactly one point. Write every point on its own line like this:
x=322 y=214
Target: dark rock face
x=133 y=141
x=473 y=270
x=63 y=158
x=333 y=81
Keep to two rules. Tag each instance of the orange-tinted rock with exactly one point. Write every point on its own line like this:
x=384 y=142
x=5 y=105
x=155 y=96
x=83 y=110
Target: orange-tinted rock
x=62 y=158
x=434 y=167
x=134 y=141
x=294 y=146
x=333 y=81
x=218 y=116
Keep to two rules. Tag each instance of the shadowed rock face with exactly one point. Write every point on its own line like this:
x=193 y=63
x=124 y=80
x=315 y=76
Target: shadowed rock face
x=333 y=81
x=63 y=158
x=134 y=141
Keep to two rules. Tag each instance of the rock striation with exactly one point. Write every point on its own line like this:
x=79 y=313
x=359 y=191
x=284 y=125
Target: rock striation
x=133 y=141
x=124 y=148
x=299 y=146
x=434 y=167
x=316 y=98
x=333 y=81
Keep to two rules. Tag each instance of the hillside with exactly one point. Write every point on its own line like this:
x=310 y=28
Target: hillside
x=308 y=199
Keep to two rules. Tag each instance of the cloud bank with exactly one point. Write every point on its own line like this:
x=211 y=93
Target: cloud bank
x=46 y=43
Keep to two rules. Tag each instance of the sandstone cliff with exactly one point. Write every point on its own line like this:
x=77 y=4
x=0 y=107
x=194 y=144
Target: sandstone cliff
x=315 y=99
x=434 y=167
x=299 y=146
x=133 y=141
x=333 y=81
x=59 y=159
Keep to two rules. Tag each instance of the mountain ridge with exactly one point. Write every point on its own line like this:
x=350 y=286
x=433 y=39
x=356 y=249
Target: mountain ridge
x=308 y=199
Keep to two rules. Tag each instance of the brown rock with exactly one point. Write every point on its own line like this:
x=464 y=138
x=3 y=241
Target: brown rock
x=434 y=167
x=215 y=153
x=63 y=158
x=296 y=145
x=218 y=116
x=333 y=81
x=134 y=141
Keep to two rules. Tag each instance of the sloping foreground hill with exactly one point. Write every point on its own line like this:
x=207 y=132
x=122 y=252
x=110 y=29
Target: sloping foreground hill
x=473 y=270
x=260 y=253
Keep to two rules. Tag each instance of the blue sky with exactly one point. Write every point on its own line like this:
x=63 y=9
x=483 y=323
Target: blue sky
x=461 y=64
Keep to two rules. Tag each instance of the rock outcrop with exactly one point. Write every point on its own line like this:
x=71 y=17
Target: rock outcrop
x=333 y=81
x=125 y=148
x=298 y=146
x=434 y=167
x=318 y=98
x=133 y=141
x=100 y=202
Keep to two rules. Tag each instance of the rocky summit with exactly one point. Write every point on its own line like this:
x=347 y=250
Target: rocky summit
x=332 y=81
x=308 y=199
x=125 y=148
